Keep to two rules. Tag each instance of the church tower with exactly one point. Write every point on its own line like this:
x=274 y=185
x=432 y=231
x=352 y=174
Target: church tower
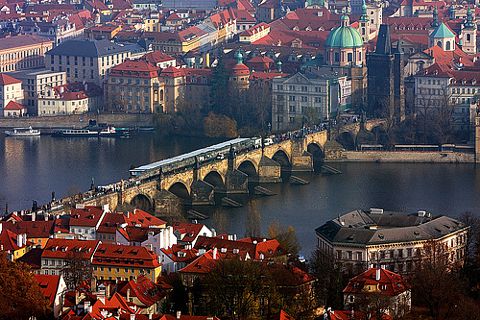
x=469 y=33
x=364 y=23
x=385 y=79
x=240 y=75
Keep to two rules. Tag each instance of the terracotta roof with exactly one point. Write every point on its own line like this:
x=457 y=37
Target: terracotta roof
x=190 y=231
x=48 y=286
x=125 y=256
x=14 y=106
x=156 y=57
x=33 y=229
x=203 y=264
x=8 y=241
x=5 y=79
x=90 y=216
x=178 y=253
x=135 y=68
x=139 y=218
x=240 y=69
x=187 y=317
x=449 y=57
x=267 y=75
x=65 y=248
x=390 y=283
x=347 y=315
x=146 y=291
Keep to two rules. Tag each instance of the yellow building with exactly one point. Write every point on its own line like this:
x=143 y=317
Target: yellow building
x=14 y=245
x=23 y=52
x=120 y=262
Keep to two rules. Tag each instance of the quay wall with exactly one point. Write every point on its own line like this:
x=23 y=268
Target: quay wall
x=78 y=121
x=402 y=156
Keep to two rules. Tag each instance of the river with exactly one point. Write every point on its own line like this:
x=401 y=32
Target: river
x=31 y=168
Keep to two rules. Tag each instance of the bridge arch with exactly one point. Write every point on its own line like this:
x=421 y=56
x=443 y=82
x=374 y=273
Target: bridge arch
x=347 y=140
x=215 y=179
x=282 y=158
x=143 y=202
x=180 y=190
x=381 y=135
x=317 y=152
x=248 y=167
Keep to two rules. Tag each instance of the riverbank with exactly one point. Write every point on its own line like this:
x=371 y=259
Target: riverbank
x=79 y=121
x=402 y=157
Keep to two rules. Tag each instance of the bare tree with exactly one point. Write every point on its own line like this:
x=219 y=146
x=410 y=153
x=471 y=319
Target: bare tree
x=77 y=270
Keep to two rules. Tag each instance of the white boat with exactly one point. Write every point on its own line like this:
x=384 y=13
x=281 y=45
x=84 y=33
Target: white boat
x=23 y=132
x=88 y=132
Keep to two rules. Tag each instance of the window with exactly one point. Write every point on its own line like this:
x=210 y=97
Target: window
x=304 y=88
x=291 y=109
x=318 y=99
x=291 y=98
x=349 y=57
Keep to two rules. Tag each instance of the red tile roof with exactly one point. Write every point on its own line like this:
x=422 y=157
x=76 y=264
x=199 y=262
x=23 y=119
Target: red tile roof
x=144 y=289
x=135 y=69
x=125 y=256
x=65 y=248
x=187 y=317
x=156 y=57
x=347 y=315
x=136 y=218
x=203 y=264
x=90 y=216
x=5 y=79
x=390 y=283
x=267 y=75
x=190 y=230
x=179 y=254
x=8 y=241
x=33 y=229
x=14 y=106
x=48 y=286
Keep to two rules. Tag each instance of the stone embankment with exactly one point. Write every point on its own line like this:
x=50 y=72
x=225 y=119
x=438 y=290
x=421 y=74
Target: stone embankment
x=78 y=121
x=399 y=156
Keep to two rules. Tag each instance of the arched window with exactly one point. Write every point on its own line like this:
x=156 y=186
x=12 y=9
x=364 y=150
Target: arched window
x=337 y=57
x=161 y=95
x=349 y=57
x=439 y=43
x=468 y=36
x=447 y=47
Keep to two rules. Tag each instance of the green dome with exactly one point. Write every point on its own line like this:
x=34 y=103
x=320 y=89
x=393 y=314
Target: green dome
x=344 y=37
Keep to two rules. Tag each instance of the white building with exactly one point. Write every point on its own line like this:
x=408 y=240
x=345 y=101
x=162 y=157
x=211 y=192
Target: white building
x=304 y=98
x=359 y=238
x=10 y=90
x=89 y=60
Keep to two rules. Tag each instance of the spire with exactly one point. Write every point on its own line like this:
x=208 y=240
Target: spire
x=239 y=57
x=435 y=18
x=364 y=17
x=345 y=20
x=470 y=24
x=384 y=43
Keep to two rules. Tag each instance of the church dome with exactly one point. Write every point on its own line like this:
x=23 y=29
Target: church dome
x=344 y=36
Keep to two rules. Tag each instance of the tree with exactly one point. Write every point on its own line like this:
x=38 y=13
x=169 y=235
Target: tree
x=330 y=279
x=286 y=236
x=20 y=297
x=219 y=126
x=435 y=284
x=240 y=289
x=77 y=270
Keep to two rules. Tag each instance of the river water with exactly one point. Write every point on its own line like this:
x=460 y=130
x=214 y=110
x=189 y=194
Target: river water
x=31 y=168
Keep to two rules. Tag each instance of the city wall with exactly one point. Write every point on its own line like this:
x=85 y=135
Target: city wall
x=401 y=156
x=78 y=121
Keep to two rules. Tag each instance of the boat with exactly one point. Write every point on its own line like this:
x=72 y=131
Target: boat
x=88 y=132
x=146 y=129
x=23 y=132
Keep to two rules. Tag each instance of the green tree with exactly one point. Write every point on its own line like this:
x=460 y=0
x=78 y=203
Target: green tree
x=20 y=297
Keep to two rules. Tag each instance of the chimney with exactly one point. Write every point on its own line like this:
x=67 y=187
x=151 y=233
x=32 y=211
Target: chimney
x=179 y=314
x=86 y=306
x=19 y=240
x=34 y=216
x=377 y=273
x=132 y=316
x=106 y=208
x=128 y=295
x=215 y=253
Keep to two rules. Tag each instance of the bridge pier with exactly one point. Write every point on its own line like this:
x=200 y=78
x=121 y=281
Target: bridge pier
x=302 y=160
x=236 y=182
x=269 y=171
x=202 y=193
x=167 y=204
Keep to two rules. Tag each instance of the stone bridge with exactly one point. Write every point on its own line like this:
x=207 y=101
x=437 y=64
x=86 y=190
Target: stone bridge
x=163 y=193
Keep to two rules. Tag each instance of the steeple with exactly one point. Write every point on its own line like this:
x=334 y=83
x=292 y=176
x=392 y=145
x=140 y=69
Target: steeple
x=435 y=18
x=239 y=57
x=470 y=24
x=384 y=42
x=451 y=12
x=364 y=17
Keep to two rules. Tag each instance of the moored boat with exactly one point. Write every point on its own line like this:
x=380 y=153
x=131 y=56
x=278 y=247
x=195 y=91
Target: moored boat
x=88 y=132
x=23 y=132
